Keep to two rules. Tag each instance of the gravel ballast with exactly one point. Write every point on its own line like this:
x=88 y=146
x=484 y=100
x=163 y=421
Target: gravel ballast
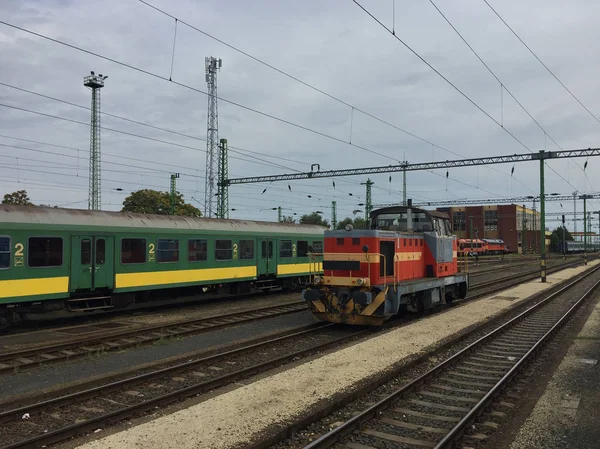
x=237 y=417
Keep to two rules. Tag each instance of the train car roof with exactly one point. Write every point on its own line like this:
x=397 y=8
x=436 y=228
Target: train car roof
x=85 y=218
x=397 y=209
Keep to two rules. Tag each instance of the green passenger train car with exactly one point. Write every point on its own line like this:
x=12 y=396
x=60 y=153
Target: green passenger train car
x=53 y=259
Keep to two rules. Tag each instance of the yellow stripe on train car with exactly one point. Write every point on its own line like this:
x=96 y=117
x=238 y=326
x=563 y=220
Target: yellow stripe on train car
x=141 y=279
x=297 y=268
x=36 y=286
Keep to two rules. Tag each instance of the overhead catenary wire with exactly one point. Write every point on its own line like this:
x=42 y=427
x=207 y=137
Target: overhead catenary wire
x=155 y=75
x=311 y=86
x=504 y=88
x=454 y=86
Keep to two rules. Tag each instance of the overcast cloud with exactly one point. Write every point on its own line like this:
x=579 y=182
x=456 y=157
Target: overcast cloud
x=332 y=45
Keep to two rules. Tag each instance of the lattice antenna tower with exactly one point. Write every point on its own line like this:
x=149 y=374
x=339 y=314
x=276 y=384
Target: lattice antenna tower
x=212 y=136
x=95 y=83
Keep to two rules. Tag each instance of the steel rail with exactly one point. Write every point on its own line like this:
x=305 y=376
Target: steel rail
x=146 y=334
x=174 y=396
x=336 y=434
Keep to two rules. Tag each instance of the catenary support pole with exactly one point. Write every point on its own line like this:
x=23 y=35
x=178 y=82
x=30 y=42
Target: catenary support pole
x=542 y=220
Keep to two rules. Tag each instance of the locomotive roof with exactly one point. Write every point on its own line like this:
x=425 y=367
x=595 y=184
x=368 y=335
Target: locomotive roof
x=398 y=209
x=85 y=218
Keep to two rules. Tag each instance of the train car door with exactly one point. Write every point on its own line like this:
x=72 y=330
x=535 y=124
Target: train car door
x=267 y=261
x=91 y=262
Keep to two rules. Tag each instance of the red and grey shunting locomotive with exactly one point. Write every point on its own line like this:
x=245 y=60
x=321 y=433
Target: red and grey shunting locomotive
x=406 y=261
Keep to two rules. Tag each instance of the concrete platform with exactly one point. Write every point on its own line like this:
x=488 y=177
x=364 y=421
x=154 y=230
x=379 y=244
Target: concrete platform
x=566 y=415
x=239 y=416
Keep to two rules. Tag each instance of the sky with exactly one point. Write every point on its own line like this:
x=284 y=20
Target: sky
x=275 y=124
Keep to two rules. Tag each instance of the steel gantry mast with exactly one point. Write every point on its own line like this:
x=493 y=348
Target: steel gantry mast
x=212 y=136
x=95 y=83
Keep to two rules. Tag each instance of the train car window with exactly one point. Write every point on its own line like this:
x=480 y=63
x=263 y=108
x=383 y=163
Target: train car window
x=223 y=250
x=45 y=252
x=263 y=250
x=302 y=248
x=100 y=251
x=421 y=222
x=5 y=252
x=246 y=249
x=355 y=240
x=392 y=222
x=167 y=250
x=340 y=241
x=285 y=248
x=197 y=250
x=86 y=252
x=317 y=247
x=133 y=251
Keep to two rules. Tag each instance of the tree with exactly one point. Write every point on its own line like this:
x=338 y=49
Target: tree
x=556 y=239
x=288 y=219
x=313 y=218
x=154 y=202
x=19 y=198
x=357 y=223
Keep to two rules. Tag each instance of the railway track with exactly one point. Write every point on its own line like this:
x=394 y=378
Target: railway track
x=116 y=341
x=66 y=416
x=439 y=407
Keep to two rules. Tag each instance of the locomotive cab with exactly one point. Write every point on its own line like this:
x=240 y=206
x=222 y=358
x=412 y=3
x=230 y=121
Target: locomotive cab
x=405 y=261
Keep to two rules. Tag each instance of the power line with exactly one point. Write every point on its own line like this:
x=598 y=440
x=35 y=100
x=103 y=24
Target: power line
x=310 y=86
x=186 y=86
x=503 y=86
x=541 y=62
x=469 y=99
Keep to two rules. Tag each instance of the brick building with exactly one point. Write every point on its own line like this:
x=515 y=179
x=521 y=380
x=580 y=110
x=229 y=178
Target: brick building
x=516 y=225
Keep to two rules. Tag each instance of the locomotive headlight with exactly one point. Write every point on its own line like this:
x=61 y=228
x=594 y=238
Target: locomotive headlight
x=318 y=279
x=360 y=282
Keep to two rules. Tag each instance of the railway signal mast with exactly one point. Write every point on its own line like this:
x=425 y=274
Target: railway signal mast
x=212 y=137
x=95 y=83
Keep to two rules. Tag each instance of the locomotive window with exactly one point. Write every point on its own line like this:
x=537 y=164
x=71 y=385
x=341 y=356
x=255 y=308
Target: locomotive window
x=421 y=222
x=317 y=247
x=246 y=249
x=409 y=242
x=5 y=252
x=392 y=222
x=45 y=252
x=356 y=240
x=302 y=248
x=197 y=250
x=133 y=251
x=86 y=252
x=100 y=251
x=285 y=248
x=167 y=250
x=340 y=241
x=223 y=250
x=404 y=242
x=421 y=242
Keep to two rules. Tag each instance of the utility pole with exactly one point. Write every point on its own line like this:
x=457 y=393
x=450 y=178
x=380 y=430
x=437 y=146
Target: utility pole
x=212 y=65
x=223 y=188
x=404 y=185
x=333 y=214
x=95 y=82
x=368 y=202
x=575 y=212
x=524 y=232
x=564 y=238
x=584 y=198
x=543 y=220
x=471 y=232
x=173 y=192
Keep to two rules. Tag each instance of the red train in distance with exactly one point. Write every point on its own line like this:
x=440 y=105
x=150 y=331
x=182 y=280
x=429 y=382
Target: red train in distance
x=481 y=247
x=405 y=261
